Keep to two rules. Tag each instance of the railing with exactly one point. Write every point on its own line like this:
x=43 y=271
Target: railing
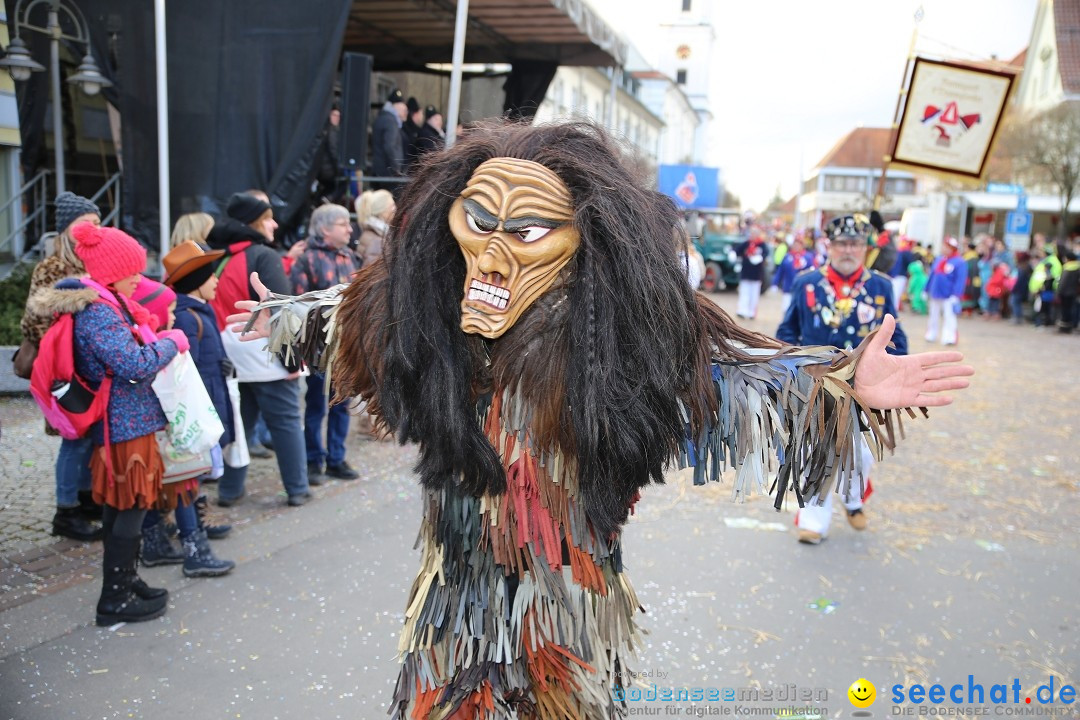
x=111 y=186
x=34 y=224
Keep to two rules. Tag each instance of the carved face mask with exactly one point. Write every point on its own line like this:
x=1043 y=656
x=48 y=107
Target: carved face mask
x=514 y=223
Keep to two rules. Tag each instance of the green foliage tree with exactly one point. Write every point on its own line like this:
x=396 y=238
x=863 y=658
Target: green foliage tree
x=13 y=292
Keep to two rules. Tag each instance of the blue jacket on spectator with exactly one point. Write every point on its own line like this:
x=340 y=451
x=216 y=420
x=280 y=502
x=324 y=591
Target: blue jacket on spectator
x=817 y=316
x=208 y=353
x=794 y=262
x=948 y=276
x=104 y=341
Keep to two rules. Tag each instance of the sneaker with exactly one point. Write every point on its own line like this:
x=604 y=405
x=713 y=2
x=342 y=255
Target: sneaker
x=299 y=499
x=229 y=502
x=342 y=471
x=809 y=537
x=315 y=474
x=857 y=519
x=260 y=451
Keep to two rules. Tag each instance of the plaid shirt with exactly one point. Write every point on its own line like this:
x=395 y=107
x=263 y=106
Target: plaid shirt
x=322 y=267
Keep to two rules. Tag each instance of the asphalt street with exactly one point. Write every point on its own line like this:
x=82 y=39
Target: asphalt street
x=969 y=568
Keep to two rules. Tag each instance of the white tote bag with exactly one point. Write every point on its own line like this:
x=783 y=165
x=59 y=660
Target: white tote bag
x=236 y=453
x=179 y=464
x=194 y=425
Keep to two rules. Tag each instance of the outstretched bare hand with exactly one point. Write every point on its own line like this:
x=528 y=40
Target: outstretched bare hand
x=886 y=381
x=237 y=321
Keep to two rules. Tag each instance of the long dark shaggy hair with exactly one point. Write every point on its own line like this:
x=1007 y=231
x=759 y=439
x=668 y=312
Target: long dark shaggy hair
x=604 y=358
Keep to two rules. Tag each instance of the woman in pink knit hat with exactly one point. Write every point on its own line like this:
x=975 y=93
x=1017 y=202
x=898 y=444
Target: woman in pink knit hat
x=114 y=336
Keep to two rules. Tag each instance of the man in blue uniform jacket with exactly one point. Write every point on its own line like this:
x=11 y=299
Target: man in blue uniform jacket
x=839 y=305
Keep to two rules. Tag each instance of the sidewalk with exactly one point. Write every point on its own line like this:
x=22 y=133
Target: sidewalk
x=33 y=563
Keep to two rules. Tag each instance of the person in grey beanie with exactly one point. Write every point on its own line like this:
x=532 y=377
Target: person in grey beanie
x=75 y=507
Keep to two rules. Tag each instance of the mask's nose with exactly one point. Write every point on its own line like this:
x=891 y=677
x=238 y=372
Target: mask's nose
x=494 y=261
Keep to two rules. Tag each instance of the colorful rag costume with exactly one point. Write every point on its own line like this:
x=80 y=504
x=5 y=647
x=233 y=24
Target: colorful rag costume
x=530 y=327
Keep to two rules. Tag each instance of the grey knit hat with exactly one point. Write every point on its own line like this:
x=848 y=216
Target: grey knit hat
x=70 y=206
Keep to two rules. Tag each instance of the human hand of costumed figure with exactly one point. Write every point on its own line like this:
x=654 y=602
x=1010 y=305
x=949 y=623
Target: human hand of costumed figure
x=303 y=327
x=885 y=381
x=248 y=324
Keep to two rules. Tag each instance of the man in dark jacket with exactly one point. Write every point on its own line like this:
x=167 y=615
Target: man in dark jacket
x=266 y=388
x=410 y=128
x=430 y=137
x=388 y=154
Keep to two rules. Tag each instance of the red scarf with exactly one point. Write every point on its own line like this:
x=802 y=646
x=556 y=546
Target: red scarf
x=852 y=282
x=939 y=268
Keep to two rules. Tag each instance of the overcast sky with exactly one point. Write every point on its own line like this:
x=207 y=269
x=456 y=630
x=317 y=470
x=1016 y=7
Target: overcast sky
x=791 y=77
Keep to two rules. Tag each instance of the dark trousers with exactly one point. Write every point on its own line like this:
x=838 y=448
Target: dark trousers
x=337 y=424
x=1069 y=314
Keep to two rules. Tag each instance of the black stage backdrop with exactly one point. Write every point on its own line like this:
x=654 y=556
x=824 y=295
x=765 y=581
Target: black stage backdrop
x=250 y=85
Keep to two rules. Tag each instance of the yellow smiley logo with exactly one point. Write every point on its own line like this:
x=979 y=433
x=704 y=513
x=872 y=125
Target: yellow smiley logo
x=862 y=693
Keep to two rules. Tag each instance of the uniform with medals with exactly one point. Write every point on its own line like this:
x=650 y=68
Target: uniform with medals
x=829 y=307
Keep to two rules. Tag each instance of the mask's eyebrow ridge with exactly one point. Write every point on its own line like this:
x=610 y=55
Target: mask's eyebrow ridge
x=484 y=219
x=514 y=225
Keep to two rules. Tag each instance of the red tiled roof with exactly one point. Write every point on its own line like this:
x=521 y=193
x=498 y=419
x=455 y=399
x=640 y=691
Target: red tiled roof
x=1067 y=29
x=1019 y=60
x=649 y=75
x=860 y=148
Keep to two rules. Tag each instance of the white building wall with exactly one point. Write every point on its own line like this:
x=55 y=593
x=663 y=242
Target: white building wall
x=1040 y=84
x=584 y=92
x=687 y=45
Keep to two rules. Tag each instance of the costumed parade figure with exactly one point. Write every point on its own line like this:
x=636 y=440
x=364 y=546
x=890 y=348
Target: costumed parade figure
x=531 y=329
x=839 y=305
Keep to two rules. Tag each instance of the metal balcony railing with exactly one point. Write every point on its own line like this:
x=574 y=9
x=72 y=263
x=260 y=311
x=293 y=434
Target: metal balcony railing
x=30 y=237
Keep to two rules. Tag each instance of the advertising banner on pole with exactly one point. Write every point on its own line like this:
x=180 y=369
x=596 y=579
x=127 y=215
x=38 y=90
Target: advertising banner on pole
x=691 y=186
x=951 y=118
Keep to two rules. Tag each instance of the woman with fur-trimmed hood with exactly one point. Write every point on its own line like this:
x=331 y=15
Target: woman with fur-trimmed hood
x=530 y=327
x=75 y=507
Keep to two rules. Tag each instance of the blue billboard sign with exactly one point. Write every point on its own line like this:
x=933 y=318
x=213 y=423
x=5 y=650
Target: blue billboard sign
x=691 y=186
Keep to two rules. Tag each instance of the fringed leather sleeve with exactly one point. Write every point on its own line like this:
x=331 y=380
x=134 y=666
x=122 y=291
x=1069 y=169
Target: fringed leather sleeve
x=797 y=411
x=338 y=331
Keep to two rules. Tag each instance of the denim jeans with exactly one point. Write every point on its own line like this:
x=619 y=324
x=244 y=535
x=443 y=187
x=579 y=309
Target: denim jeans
x=279 y=403
x=1017 y=308
x=261 y=436
x=72 y=470
x=337 y=424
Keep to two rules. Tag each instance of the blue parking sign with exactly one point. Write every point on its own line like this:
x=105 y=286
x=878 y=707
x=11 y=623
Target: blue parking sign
x=1018 y=223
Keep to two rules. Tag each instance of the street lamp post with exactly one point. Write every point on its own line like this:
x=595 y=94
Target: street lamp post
x=20 y=64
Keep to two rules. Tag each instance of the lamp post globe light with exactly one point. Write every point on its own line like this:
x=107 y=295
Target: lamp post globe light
x=20 y=64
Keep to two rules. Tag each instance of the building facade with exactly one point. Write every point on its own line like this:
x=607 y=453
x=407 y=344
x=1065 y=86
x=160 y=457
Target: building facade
x=846 y=180
x=585 y=92
x=686 y=55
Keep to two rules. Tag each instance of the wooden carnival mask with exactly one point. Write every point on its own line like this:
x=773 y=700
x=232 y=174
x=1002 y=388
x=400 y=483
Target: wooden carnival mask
x=514 y=223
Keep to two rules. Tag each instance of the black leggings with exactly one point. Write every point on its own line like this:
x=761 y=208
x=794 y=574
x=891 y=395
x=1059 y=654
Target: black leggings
x=122 y=523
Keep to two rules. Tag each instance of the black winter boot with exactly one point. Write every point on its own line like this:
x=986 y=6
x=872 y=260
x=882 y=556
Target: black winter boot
x=199 y=559
x=157 y=548
x=202 y=510
x=70 y=523
x=118 y=603
x=89 y=509
x=139 y=586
